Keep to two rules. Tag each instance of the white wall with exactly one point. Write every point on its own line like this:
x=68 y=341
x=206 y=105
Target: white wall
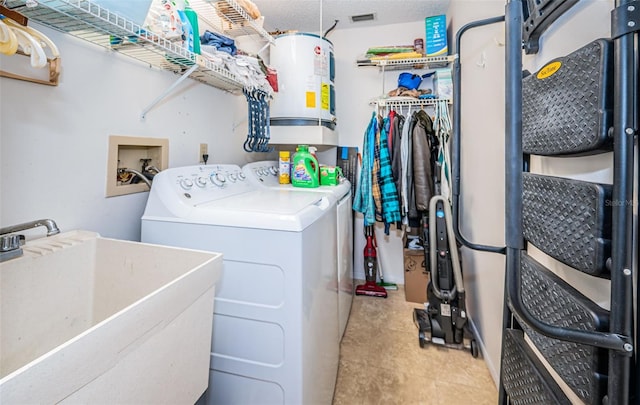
x=54 y=140
x=482 y=60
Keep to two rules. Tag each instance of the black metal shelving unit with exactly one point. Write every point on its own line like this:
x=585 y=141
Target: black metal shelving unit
x=588 y=106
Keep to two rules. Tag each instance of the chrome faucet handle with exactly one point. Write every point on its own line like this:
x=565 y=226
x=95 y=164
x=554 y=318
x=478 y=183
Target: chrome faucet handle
x=11 y=242
x=10 y=246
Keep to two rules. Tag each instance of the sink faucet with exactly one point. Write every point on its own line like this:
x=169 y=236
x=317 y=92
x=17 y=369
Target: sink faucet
x=52 y=228
x=10 y=244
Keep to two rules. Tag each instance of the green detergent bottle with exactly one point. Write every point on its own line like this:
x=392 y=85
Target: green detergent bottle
x=304 y=170
x=193 y=20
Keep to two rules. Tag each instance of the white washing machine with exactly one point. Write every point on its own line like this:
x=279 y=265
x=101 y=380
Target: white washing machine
x=275 y=335
x=265 y=174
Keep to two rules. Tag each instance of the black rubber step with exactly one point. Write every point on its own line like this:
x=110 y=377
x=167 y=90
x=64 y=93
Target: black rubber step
x=569 y=220
x=524 y=378
x=550 y=299
x=567 y=106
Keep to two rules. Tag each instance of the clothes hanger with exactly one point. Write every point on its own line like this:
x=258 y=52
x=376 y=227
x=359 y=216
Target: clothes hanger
x=29 y=46
x=42 y=39
x=8 y=40
x=17 y=37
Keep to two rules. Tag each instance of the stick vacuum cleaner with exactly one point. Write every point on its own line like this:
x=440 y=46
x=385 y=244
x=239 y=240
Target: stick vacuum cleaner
x=370 y=268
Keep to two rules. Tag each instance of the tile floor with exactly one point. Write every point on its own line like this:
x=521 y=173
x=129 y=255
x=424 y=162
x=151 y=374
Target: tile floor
x=381 y=361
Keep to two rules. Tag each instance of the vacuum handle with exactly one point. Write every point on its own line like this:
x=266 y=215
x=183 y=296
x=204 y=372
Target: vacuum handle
x=453 y=248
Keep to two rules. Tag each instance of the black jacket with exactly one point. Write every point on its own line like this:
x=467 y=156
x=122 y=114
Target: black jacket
x=424 y=144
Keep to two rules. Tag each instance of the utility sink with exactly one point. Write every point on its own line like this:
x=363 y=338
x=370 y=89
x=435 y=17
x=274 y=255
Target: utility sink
x=86 y=319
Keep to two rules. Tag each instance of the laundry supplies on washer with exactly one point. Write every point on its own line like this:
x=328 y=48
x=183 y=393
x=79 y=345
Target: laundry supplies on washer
x=330 y=175
x=284 y=167
x=304 y=170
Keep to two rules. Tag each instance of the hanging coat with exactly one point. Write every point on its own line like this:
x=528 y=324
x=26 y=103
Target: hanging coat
x=407 y=194
x=363 y=200
x=396 y=158
x=375 y=173
x=389 y=194
x=423 y=141
x=404 y=164
x=442 y=127
x=390 y=133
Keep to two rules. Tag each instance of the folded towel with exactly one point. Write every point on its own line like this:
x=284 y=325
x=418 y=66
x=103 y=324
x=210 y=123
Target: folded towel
x=221 y=42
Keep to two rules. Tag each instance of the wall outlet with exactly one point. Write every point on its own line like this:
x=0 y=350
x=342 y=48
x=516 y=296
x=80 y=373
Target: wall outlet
x=204 y=150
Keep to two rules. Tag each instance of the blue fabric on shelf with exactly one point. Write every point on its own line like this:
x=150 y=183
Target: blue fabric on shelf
x=222 y=43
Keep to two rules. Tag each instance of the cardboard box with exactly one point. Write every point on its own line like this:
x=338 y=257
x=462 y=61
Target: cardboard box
x=416 y=276
x=436 y=36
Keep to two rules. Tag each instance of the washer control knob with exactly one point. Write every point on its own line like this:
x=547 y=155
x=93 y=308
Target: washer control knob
x=218 y=179
x=233 y=177
x=273 y=170
x=186 y=184
x=241 y=176
x=201 y=181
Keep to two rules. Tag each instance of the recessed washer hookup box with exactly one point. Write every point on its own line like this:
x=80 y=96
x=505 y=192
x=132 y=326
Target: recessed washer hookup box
x=436 y=35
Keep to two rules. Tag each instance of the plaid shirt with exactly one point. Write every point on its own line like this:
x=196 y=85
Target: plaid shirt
x=387 y=185
x=363 y=200
x=375 y=174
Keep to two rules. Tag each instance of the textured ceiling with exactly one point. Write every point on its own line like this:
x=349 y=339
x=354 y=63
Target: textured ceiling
x=304 y=15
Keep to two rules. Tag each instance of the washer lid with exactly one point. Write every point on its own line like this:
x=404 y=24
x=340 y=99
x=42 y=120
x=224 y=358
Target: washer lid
x=266 y=201
x=260 y=209
x=337 y=192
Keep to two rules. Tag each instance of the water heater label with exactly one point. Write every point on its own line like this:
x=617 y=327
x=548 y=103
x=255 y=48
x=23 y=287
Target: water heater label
x=320 y=63
x=324 y=96
x=311 y=99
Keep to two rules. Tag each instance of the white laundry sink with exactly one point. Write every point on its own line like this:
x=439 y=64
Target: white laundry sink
x=86 y=319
